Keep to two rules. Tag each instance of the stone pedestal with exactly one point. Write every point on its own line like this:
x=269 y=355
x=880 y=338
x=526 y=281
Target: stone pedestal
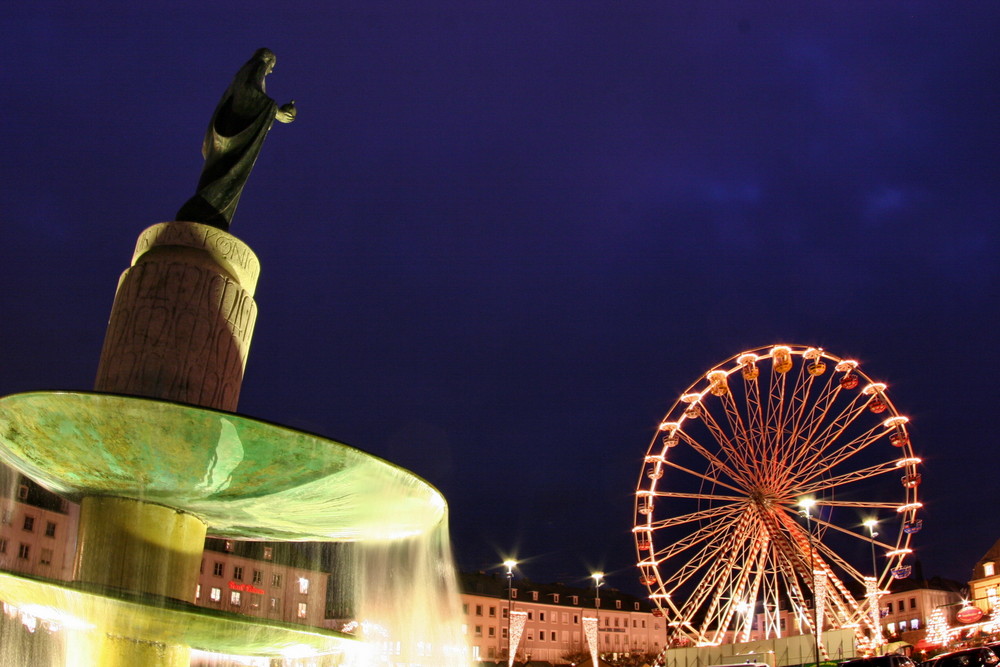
x=183 y=317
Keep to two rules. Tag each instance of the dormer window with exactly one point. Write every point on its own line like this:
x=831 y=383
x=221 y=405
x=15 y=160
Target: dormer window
x=555 y=598
x=989 y=569
x=513 y=593
x=534 y=596
x=575 y=599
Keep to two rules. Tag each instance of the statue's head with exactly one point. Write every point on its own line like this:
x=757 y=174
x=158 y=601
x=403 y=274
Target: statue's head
x=267 y=57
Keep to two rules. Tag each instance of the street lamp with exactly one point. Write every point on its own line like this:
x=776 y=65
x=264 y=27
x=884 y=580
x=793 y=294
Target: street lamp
x=510 y=565
x=873 y=595
x=598 y=580
x=871 y=525
x=807 y=504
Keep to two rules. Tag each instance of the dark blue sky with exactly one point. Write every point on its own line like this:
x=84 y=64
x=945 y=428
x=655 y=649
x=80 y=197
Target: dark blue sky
x=502 y=237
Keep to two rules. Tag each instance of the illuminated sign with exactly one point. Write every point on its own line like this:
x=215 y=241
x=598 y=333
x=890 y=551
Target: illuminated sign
x=969 y=615
x=246 y=588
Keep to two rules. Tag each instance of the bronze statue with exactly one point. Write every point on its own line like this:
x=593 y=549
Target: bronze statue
x=233 y=140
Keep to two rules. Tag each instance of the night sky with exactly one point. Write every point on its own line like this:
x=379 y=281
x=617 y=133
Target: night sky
x=501 y=238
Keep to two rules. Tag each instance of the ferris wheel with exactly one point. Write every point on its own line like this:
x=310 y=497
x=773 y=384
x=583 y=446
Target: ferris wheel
x=766 y=487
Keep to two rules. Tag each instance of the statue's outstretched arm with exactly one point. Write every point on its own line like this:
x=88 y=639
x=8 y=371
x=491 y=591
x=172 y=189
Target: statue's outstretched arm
x=286 y=113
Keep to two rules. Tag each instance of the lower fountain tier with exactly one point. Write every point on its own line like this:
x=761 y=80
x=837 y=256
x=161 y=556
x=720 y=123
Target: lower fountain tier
x=163 y=621
x=244 y=478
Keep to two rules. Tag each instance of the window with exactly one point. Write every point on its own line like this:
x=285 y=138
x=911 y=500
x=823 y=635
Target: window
x=555 y=598
x=268 y=553
x=513 y=593
x=479 y=631
x=491 y=631
x=46 y=557
x=275 y=605
x=229 y=545
x=902 y=626
x=24 y=551
x=218 y=569
x=541 y=635
x=575 y=599
x=913 y=603
x=197 y=592
x=493 y=612
x=576 y=618
x=989 y=569
x=618 y=604
x=276 y=580
x=3 y=545
x=991 y=595
x=637 y=606
x=254 y=601
x=503 y=633
x=303 y=611
x=531 y=615
x=258 y=577
x=29 y=524
x=50 y=529
x=235 y=598
x=215 y=594
x=915 y=624
x=541 y=616
x=465 y=608
x=479 y=610
x=303 y=586
x=22 y=492
x=503 y=613
x=238 y=573
x=553 y=636
x=888 y=607
x=534 y=596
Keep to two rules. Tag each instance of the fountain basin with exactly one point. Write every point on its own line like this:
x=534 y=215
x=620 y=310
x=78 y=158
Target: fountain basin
x=165 y=621
x=245 y=478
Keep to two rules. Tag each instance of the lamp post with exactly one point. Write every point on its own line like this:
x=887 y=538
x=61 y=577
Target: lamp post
x=510 y=565
x=598 y=580
x=807 y=504
x=871 y=525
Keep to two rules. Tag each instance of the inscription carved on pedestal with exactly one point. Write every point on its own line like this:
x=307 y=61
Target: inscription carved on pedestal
x=178 y=331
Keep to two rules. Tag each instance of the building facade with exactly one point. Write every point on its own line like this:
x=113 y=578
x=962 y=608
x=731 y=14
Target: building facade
x=553 y=630
x=985 y=582
x=907 y=607
x=254 y=579
x=37 y=529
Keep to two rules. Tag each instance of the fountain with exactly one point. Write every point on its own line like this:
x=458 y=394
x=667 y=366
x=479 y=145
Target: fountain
x=158 y=459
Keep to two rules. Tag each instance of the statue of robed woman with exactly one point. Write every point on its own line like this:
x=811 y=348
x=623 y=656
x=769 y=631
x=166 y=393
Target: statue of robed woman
x=233 y=140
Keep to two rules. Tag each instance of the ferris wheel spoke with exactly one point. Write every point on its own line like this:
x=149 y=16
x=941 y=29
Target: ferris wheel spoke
x=737 y=455
x=716 y=462
x=699 y=536
x=817 y=447
x=697 y=496
x=741 y=434
x=823 y=460
x=698 y=515
x=712 y=480
x=848 y=478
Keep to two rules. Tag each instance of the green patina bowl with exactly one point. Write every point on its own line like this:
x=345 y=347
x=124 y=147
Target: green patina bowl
x=243 y=477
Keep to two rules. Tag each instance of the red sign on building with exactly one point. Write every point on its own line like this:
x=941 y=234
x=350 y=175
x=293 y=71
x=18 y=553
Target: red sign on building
x=246 y=588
